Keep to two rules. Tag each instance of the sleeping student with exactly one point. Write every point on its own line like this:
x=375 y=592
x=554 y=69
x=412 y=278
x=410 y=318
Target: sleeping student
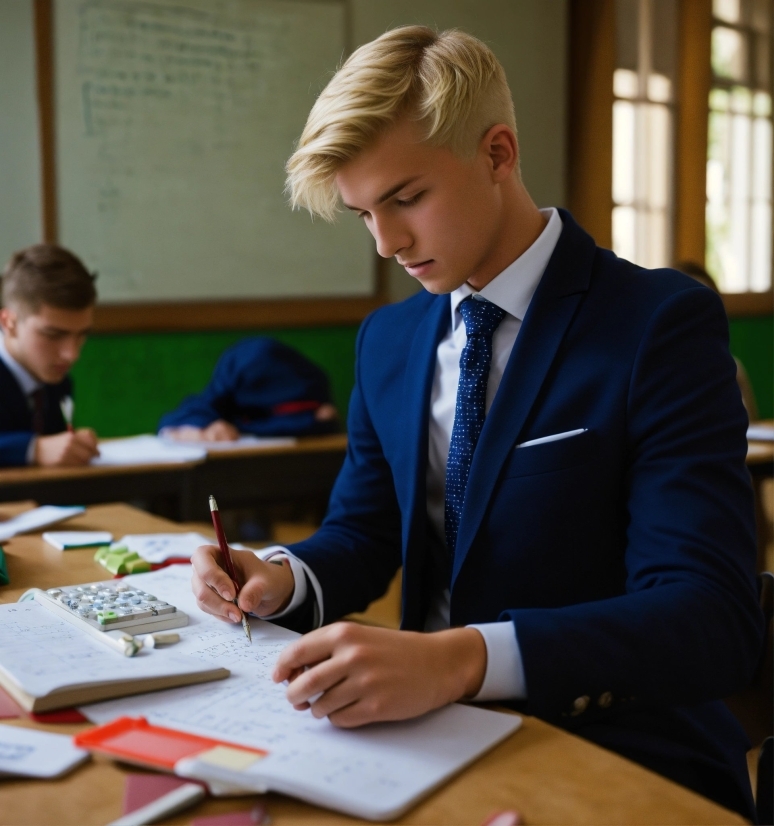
x=48 y=301
x=259 y=387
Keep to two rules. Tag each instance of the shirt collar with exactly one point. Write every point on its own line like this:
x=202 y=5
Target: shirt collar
x=28 y=383
x=513 y=288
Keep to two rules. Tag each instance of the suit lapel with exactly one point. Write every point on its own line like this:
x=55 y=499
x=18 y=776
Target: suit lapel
x=549 y=315
x=411 y=469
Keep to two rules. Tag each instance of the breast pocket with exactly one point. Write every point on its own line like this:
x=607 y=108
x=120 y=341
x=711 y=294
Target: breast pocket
x=551 y=456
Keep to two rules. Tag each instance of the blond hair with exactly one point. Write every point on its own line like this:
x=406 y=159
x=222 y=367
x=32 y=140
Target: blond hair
x=451 y=83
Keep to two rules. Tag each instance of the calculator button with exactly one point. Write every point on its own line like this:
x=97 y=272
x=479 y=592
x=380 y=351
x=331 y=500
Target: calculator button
x=163 y=608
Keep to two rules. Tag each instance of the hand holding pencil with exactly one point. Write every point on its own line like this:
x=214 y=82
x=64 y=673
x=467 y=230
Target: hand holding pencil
x=259 y=587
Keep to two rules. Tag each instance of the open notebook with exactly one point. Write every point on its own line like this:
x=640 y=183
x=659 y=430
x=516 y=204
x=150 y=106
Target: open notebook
x=46 y=663
x=375 y=772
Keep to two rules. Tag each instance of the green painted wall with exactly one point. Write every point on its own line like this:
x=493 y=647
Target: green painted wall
x=752 y=342
x=125 y=382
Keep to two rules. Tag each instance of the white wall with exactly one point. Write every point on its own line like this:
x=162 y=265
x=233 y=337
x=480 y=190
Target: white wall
x=20 y=215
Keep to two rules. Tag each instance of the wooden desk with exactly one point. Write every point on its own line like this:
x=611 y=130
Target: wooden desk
x=548 y=775
x=304 y=471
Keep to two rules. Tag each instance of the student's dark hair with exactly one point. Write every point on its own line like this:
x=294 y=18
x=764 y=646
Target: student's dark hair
x=698 y=273
x=47 y=274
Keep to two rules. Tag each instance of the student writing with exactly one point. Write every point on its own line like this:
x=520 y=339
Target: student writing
x=47 y=310
x=549 y=439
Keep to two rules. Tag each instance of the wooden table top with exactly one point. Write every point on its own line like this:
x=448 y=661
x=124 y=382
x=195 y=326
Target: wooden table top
x=545 y=773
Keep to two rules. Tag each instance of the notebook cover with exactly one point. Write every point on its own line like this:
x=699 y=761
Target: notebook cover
x=142 y=789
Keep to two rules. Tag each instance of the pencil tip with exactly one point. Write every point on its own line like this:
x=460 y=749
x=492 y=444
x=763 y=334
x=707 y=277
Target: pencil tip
x=213 y=504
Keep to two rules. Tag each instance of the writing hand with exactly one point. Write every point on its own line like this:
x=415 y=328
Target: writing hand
x=267 y=588
x=66 y=449
x=364 y=674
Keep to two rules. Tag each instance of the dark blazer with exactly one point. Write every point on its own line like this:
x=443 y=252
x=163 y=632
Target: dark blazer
x=624 y=556
x=16 y=416
x=262 y=387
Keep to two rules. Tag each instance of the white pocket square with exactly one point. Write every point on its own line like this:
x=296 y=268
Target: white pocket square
x=555 y=438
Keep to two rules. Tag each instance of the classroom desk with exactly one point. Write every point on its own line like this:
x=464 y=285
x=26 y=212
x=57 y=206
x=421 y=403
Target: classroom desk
x=303 y=471
x=548 y=775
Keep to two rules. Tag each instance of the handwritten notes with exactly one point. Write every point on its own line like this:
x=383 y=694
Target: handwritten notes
x=33 y=753
x=377 y=771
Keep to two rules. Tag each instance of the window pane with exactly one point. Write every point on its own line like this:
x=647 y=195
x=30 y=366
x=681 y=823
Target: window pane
x=627 y=33
x=656 y=253
x=737 y=267
x=741 y=100
x=762 y=61
x=659 y=88
x=762 y=104
x=761 y=15
x=762 y=153
x=663 y=30
x=760 y=265
x=729 y=53
x=719 y=100
x=625 y=83
x=728 y=10
x=623 y=152
x=623 y=232
x=659 y=145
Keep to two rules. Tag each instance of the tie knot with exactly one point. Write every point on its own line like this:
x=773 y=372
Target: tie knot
x=480 y=317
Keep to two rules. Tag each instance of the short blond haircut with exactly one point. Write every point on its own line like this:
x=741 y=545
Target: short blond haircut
x=451 y=83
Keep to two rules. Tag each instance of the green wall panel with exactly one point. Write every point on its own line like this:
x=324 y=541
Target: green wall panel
x=124 y=383
x=752 y=342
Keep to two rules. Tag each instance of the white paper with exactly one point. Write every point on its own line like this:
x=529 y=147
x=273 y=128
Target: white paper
x=41 y=653
x=62 y=540
x=158 y=547
x=237 y=444
x=760 y=433
x=37 y=518
x=32 y=753
x=376 y=771
x=146 y=450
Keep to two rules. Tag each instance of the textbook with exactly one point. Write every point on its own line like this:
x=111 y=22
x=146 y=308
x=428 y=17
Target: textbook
x=46 y=663
x=243 y=734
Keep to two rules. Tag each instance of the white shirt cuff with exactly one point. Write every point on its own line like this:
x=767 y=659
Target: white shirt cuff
x=300 y=571
x=504 y=678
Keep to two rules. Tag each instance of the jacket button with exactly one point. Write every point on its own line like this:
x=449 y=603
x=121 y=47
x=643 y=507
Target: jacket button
x=580 y=705
x=605 y=700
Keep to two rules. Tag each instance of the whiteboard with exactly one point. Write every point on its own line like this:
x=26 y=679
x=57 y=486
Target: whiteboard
x=173 y=124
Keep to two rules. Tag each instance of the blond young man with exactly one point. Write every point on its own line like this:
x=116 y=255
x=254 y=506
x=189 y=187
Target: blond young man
x=548 y=439
x=47 y=310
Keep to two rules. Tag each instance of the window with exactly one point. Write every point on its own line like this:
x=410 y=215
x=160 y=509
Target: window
x=739 y=154
x=643 y=130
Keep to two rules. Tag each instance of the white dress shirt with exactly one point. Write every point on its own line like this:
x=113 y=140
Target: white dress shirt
x=26 y=381
x=512 y=291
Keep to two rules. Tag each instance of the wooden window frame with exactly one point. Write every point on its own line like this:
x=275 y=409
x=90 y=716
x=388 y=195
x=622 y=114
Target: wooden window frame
x=177 y=315
x=590 y=138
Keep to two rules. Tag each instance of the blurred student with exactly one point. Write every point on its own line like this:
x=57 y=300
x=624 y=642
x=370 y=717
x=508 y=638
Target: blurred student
x=47 y=310
x=698 y=273
x=259 y=387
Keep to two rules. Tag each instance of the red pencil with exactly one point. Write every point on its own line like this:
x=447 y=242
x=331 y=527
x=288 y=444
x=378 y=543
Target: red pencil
x=228 y=561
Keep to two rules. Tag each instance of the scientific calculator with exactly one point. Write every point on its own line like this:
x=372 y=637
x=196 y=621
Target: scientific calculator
x=111 y=605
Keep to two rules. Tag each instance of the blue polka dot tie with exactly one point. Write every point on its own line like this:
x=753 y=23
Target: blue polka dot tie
x=481 y=319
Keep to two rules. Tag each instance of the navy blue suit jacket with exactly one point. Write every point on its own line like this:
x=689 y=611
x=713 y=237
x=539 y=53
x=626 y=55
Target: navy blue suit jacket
x=16 y=416
x=624 y=556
